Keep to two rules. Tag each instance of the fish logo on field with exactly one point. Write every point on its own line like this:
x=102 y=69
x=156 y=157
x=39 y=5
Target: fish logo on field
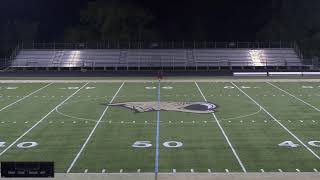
x=188 y=107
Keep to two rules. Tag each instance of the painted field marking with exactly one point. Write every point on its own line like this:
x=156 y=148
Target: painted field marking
x=192 y=170
x=310 y=105
x=280 y=170
x=103 y=171
x=121 y=170
x=276 y=120
x=223 y=132
x=298 y=170
x=43 y=118
x=24 y=97
x=315 y=170
x=227 y=170
x=158 y=131
x=174 y=170
x=209 y=170
x=138 y=170
x=262 y=170
x=86 y=171
x=93 y=130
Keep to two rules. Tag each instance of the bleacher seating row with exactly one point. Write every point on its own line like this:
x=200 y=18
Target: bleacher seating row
x=156 y=58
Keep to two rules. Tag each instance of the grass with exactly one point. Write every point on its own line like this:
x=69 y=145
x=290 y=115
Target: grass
x=252 y=132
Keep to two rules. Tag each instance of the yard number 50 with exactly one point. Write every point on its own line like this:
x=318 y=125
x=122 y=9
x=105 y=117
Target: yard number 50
x=167 y=144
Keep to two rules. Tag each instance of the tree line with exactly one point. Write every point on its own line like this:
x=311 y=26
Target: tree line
x=133 y=21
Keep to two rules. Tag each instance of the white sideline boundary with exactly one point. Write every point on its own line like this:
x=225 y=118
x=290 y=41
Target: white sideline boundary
x=43 y=118
x=93 y=130
x=310 y=105
x=223 y=132
x=276 y=120
x=191 y=80
x=21 y=99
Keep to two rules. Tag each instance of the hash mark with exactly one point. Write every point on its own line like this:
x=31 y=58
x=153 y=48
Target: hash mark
x=209 y=170
x=86 y=171
x=298 y=170
x=121 y=170
x=103 y=171
x=315 y=170
x=138 y=170
x=262 y=170
x=174 y=170
x=227 y=170
x=280 y=170
x=191 y=170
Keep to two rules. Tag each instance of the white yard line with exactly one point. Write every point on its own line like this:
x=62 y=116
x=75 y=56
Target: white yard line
x=24 y=97
x=93 y=130
x=223 y=132
x=310 y=105
x=276 y=120
x=43 y=118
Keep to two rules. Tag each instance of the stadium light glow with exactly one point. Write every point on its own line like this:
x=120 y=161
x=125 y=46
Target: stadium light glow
x=257 y=57
x=74 y=59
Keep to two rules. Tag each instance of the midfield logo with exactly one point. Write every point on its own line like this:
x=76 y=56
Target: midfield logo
x=188 y=107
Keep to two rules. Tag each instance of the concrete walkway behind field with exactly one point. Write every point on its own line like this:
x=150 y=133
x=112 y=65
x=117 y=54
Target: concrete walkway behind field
x=185 y=176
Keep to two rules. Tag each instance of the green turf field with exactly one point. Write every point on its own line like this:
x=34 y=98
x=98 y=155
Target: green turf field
x=255 y=126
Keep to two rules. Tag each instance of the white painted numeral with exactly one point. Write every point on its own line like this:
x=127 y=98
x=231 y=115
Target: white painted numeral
x=88 y=88
x=307 y=87
x=26 y=145
x=12 y=88
x=71 y=88
x=289 y=144
x=314 y=143
x=172 y=144
x=142 y=144
x=2 y=144
x=147 y=144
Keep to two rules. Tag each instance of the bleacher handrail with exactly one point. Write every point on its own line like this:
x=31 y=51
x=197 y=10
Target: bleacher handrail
x=160 y=45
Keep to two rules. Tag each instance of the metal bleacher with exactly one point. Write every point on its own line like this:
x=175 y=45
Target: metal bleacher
x=170 y=58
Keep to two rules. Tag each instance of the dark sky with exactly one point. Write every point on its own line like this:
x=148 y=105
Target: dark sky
x=224 y=19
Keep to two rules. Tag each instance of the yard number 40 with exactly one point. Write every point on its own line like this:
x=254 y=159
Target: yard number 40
x=290 y=144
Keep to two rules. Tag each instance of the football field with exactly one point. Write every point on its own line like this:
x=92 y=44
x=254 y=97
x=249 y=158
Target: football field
x=168 y=126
